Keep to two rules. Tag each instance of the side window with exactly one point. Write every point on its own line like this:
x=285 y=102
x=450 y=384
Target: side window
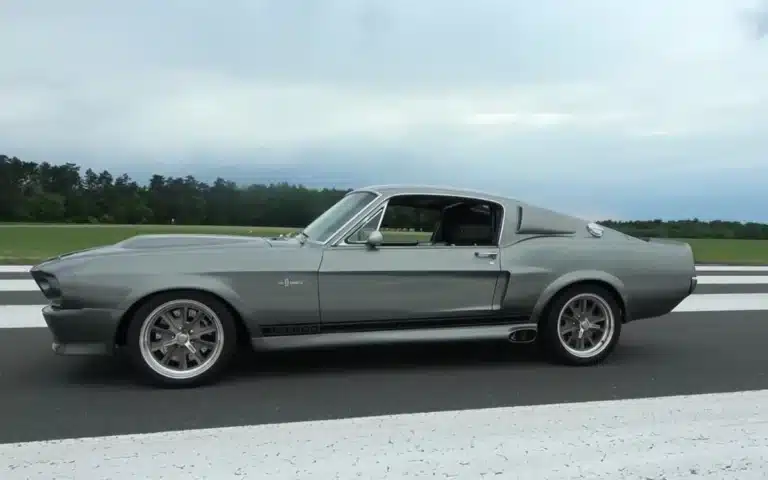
x=407 y=224
x=400 y=225
x=370 y=225
x=469 y=223
x=410 y=220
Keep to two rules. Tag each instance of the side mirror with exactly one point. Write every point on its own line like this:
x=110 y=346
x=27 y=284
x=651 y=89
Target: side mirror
x=375 y=239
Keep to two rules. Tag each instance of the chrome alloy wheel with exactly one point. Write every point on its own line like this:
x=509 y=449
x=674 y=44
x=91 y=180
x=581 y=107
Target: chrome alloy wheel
x=585 y=325
x=181 y=339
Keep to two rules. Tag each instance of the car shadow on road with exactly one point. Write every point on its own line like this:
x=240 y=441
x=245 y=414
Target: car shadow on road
x=250 y=365
x=385 y=357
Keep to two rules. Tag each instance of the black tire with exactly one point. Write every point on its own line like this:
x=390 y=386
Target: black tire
x=549 y=337
x=215 y=369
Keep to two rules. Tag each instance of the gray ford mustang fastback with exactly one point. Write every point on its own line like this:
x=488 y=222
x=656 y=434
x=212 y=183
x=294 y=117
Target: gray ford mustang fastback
x=485 y=267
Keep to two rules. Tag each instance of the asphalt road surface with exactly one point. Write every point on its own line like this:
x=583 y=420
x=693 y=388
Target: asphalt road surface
x=43 y=396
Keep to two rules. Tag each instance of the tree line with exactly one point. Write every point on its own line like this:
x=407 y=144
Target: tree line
x=43 y=192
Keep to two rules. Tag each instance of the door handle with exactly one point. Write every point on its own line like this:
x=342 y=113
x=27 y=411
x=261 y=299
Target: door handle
x=486 y=254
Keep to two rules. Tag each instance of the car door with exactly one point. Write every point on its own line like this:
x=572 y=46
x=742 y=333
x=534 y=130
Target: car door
x=358 y=283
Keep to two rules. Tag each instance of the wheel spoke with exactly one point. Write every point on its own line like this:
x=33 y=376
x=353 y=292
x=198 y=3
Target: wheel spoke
x=193 y=351
x=169 y=320
x=159 y=345
x=196 y=322
x=585 y=324
x=594 y=336
x=571 y=329
x=196 y=334
x=172 y=342
x=169 y=355
x=182 y=358
x=198 y=342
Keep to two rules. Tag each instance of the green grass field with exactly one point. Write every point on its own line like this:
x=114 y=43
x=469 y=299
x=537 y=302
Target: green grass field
x=30 y=243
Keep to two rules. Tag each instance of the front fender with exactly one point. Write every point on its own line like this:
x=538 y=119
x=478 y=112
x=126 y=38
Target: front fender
x=572 y=278
x=162 y=283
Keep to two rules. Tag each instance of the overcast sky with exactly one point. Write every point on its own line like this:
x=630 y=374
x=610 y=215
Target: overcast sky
x=628 y=109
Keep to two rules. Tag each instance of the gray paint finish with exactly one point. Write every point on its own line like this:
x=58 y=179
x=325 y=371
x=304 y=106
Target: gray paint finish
x=358 y=283
x=284 y=282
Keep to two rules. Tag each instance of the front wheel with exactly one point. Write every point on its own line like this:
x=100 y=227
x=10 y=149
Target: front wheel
x=182 y=339
x=582 y=326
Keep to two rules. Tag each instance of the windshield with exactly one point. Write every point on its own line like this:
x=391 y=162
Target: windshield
x=324 y=226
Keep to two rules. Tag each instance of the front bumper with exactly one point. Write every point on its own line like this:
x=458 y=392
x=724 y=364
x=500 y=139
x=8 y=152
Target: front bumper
x=694 y=282
x=87 y=331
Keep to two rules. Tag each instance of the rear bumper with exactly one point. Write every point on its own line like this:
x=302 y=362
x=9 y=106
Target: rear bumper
x=87 y=331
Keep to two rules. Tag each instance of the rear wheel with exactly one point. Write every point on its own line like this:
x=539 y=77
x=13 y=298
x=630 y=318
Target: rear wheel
x=180 y=339
x=582 y=326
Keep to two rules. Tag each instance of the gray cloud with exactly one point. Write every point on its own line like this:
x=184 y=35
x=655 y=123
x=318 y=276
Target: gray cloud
x=505 y=94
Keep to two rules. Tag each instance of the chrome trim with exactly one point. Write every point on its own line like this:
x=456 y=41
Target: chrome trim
x=387 y=197
x=495 y=332
x=363 y=211
x=343 y=240
x=582 y=320
x=444 y=188
x=595 y=230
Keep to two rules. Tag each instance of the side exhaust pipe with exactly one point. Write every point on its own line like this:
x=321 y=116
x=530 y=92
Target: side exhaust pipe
x=526 y=334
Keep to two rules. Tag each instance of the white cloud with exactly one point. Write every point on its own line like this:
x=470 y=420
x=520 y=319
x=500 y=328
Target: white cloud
x=181 y=112
x=624 y=90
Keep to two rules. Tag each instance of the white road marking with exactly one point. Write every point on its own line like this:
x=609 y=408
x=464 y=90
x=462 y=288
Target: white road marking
x=18 y=285
x=731 y=268
x=724 y=302
x=733 y=280
x=29 y=316
x=29 y=285
x=21 y=316
x=713 y=437
x=15 y=268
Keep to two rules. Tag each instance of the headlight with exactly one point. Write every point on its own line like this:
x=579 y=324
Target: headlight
x=48 y=284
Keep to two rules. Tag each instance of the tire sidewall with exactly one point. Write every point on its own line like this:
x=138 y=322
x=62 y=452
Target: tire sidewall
x=212 y=374
x=548 y=326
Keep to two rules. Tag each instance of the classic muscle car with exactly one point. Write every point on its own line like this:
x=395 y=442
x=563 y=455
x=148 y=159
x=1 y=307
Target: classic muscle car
x=485 y=267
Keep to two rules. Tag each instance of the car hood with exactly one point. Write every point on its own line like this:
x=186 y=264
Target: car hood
x=141 y=243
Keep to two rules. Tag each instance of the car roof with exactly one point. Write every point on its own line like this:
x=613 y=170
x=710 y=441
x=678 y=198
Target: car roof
x=415 y=189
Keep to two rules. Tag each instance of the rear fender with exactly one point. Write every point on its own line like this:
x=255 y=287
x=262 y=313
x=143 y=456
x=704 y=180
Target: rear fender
x=575 y=277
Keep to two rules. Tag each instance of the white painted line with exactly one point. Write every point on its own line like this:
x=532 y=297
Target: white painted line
x=29 y=316
x=18 y=286
x=21 y=316
x=707 y=437
x=731 y=268
x=724 y=302
x=29 y=285
x=733 y=280
x=15 y=268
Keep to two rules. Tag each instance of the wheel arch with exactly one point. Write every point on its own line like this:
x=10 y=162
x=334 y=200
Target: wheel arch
x=243 y=332
x=601 y=279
